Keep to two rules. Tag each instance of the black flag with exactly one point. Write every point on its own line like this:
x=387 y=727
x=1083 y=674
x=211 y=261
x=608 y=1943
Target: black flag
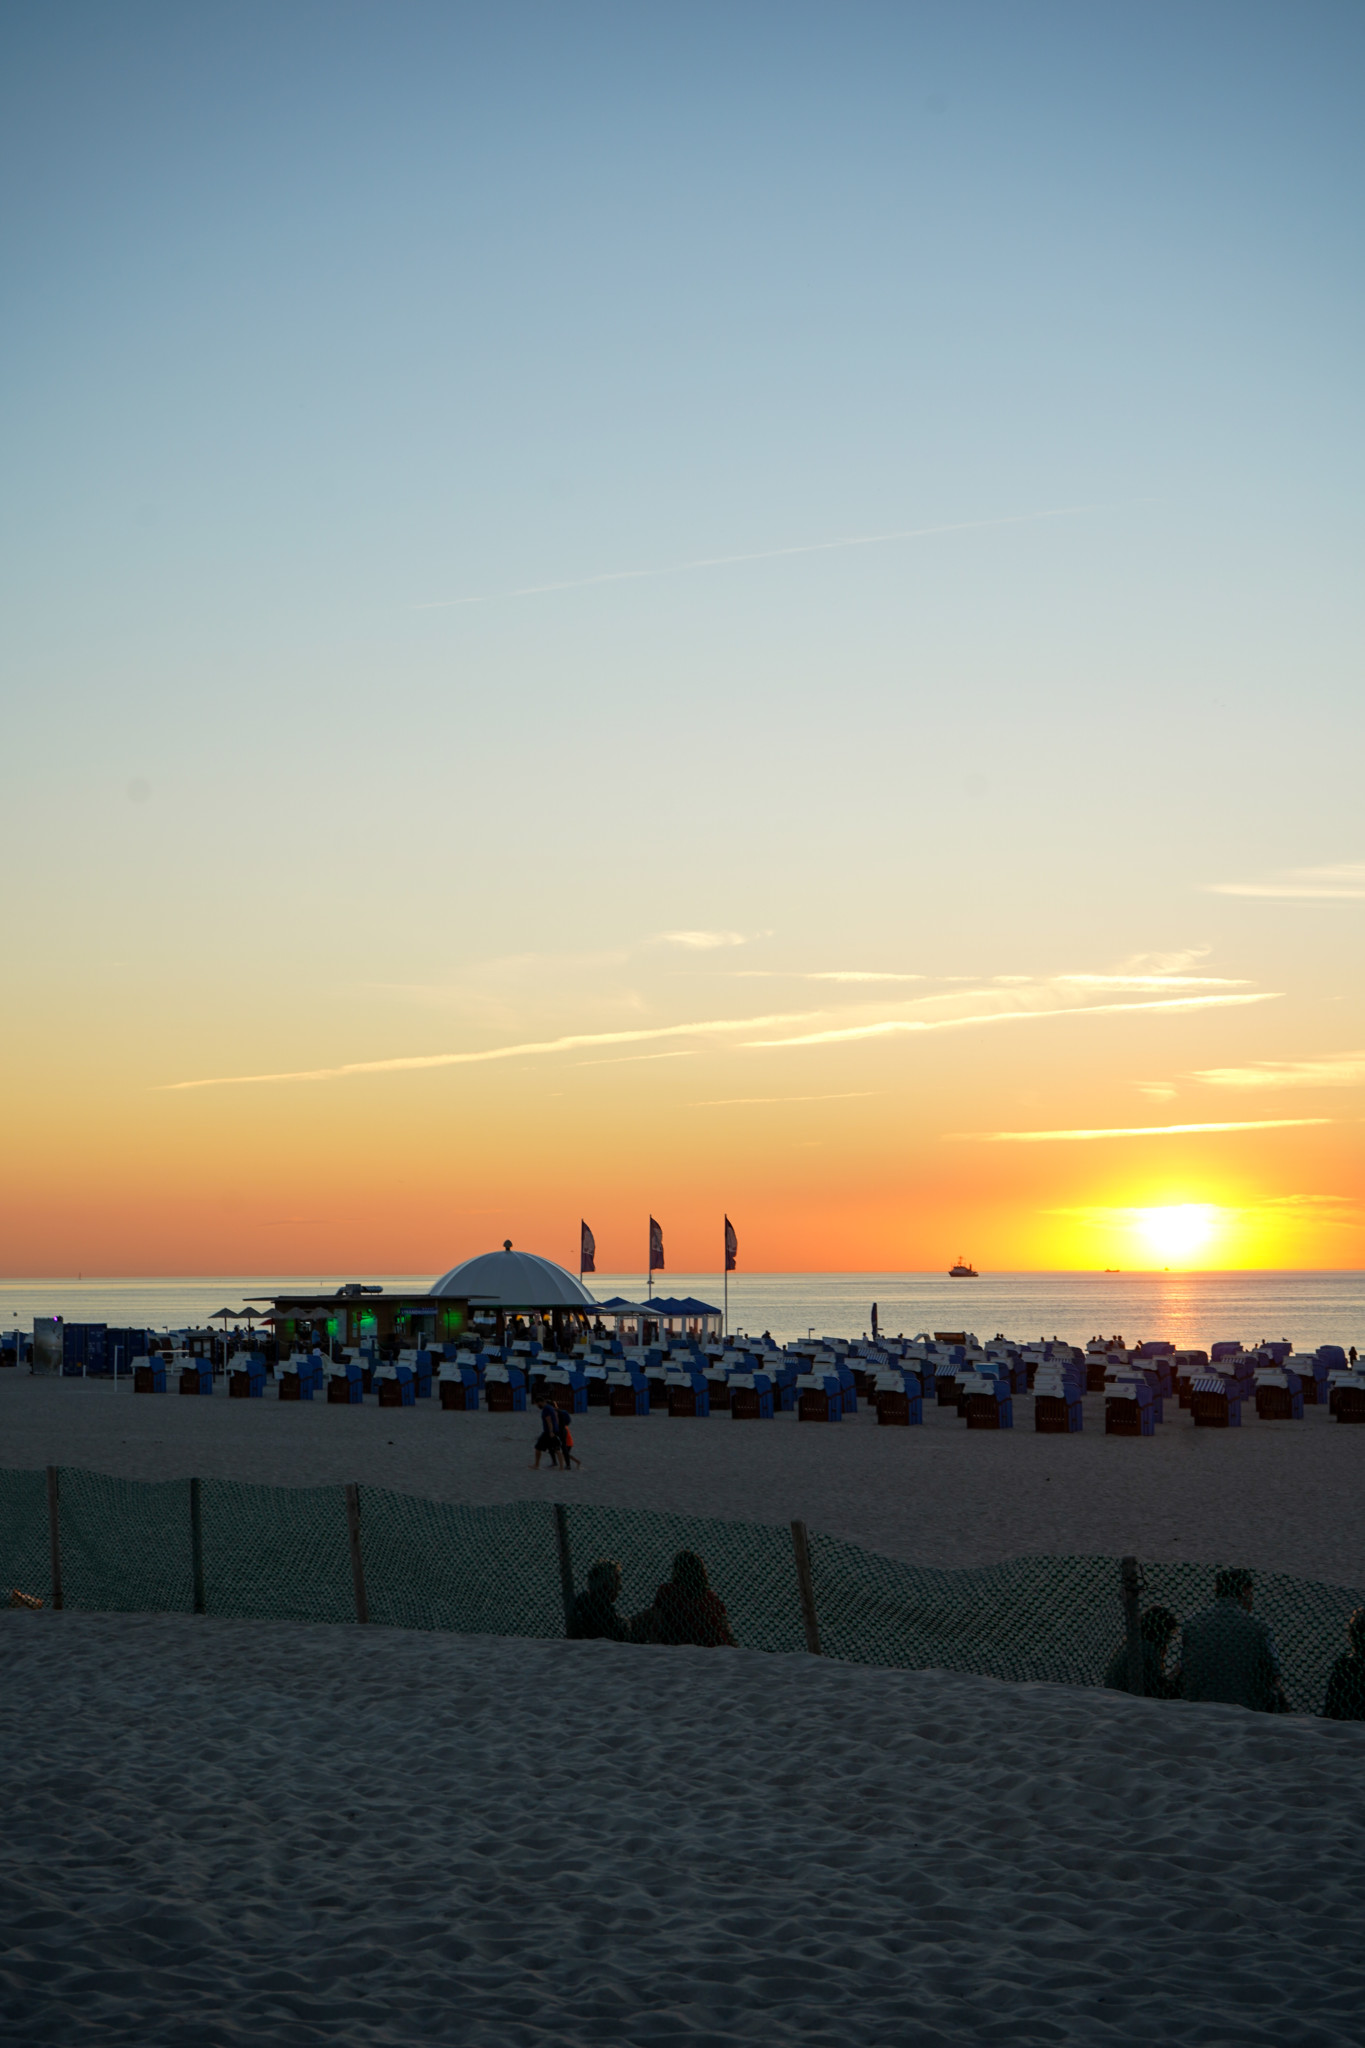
x=587 y=1249
x=731 y=1246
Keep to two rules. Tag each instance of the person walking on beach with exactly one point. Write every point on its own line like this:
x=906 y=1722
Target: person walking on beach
x=548 y=1440
x=1228 y=1655
x=593 y=1617
x=1344 y=1699
x=685 y=1609
x=565 y=1434
x=1157 y=1628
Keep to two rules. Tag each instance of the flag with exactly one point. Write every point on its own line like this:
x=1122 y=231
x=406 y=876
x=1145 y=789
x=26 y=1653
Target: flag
x=731 y=1246
x=587 y=1249
x=656 y=1247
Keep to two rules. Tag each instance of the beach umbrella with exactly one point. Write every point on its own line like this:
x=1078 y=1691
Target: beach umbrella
x=228 y=1315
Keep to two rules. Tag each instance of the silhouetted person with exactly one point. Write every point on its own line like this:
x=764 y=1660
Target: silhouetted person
x=685 y=1609
x=593 y=1616
x=1344 y=1699
x=566 y=1450
x=1157 y=1628
x=548 y=1440
x=1226 y=1654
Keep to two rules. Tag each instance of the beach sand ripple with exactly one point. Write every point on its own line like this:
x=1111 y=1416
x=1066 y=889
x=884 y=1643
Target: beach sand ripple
x=222 y=1832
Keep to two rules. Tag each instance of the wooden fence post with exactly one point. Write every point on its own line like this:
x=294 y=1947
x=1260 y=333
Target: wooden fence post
x=806 y=1586
x=197 y=1547
x=565 y=1561
x=54 y=1530
x=362 y=1608
x=1130 y=1581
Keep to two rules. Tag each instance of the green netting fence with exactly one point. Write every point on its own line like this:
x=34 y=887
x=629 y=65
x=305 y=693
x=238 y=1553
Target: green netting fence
x=85 y=1540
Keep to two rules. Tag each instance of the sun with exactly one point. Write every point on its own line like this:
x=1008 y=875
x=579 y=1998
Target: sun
x=1177 y=1232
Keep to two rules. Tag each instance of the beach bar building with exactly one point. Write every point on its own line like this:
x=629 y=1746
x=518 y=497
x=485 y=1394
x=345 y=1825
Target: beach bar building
x=494 y=1294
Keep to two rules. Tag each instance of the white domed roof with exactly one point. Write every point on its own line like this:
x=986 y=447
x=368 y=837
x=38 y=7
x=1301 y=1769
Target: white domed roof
x=509 y=1279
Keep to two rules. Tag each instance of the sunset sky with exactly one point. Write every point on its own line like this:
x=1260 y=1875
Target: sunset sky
x=613 y=609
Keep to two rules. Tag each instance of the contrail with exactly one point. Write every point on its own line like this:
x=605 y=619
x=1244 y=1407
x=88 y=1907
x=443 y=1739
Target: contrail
x=1277 y=1123
x=813 y=547
x=901 y=1024
x=415 y=1061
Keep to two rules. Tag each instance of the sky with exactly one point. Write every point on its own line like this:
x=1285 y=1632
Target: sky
x=613 y=610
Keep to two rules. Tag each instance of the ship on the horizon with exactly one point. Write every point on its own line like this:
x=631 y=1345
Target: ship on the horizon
x=963 y=1270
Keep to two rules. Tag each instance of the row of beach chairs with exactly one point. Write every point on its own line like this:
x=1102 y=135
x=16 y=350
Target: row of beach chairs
x=823 y=1380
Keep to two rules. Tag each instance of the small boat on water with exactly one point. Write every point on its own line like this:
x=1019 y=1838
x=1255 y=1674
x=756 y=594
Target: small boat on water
x=962 y=1270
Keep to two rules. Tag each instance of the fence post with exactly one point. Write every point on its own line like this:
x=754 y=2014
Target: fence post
x=565 y=1561
x=54 y=1530
x=197 y=1547
x=1129 y=1581
x=362 y=1608
x=806 y=1585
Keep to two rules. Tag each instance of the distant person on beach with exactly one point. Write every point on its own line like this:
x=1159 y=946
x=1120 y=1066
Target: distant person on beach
x=1156 y=1629
x=1344 y=1699
x=1228 y=1655
x=685 y=1609
x=566 y=1440
x=548 y=1440
x=593 y=1616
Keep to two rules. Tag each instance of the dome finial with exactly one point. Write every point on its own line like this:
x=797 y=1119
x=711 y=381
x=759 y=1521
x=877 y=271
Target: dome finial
x=507 y=1244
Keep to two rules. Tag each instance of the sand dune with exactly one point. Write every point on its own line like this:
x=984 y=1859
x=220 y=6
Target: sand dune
x=223 y=1832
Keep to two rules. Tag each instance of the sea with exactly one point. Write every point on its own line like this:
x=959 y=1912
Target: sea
x=1189 y=1309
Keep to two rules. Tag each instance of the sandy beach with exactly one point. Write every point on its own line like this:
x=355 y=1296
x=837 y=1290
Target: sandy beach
x=222 y=1832
x=1275 y=1496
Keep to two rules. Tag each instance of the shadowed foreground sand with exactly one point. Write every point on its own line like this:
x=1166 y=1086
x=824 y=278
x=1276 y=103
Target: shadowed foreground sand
x=223 y=1833
x=1276 y=1496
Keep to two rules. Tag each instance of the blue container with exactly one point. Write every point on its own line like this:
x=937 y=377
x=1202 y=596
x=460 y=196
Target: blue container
x=83 y=1348
x=123 y=1349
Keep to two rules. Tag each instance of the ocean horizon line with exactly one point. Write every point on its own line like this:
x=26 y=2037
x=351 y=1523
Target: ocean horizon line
x=312 y=1277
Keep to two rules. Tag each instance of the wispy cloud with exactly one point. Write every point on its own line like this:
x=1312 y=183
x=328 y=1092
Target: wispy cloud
x=829 y=973
x=743 y=1101
x=1081 y=1137
x=416 y=1062
x=859 y=974
x=826 y=974
x=1140 y=981
x=631 y=1059
x=895 y=1026
x=810 y=547
x=1335 y=1070
x=1344 y=883
x=701 y=942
